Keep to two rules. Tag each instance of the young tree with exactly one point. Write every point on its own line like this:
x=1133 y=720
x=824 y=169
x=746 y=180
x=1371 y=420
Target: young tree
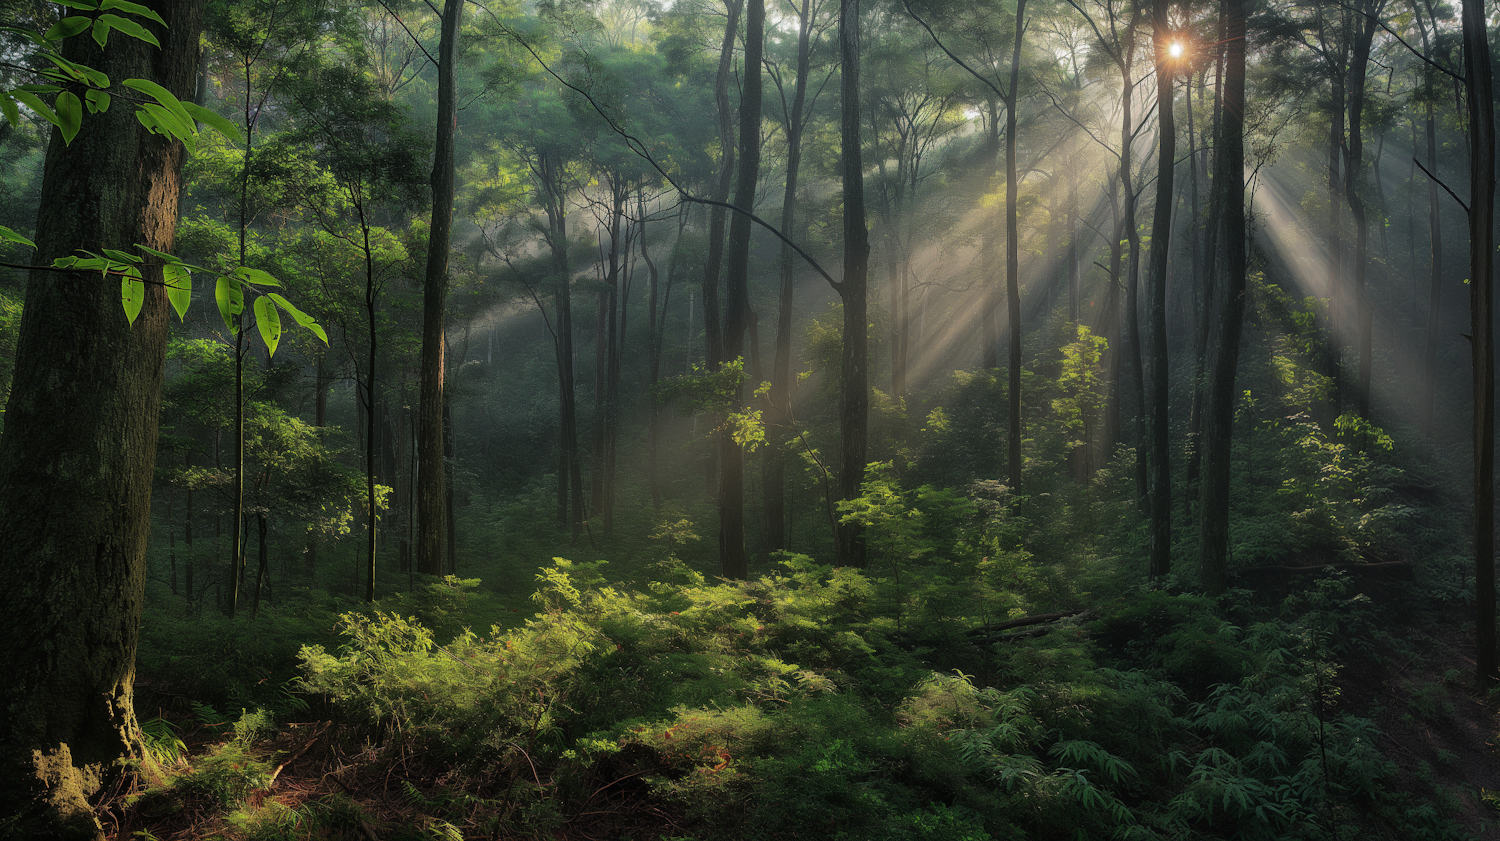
x=79 y=447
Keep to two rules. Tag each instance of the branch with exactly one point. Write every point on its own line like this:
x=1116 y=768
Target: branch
x=1409 y=47
x=956 y=60
x=409 y=33
x=1438 y=181
x=637 y=146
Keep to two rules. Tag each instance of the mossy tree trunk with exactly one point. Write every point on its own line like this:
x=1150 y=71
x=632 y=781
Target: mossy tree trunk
x=77 y=455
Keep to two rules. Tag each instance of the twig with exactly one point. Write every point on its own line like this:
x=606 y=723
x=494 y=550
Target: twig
x=298 y=755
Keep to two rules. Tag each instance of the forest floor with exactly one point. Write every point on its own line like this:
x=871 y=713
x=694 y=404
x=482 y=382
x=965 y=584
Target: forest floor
x=1443 y=738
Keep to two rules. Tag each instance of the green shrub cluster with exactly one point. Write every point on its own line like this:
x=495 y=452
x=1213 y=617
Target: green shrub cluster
x=794 y=706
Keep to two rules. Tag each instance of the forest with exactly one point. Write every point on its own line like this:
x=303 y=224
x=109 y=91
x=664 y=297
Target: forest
x=722 y=419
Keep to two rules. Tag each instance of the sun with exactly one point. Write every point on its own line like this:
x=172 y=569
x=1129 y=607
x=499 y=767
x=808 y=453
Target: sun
x=1174 y=49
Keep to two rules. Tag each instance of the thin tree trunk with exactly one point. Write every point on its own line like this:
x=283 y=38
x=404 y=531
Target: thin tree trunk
x=1013 y=257
x=1228 y=210
x=733 y=559
x=1160 y=481
x=1481 y=108
x=849 y=542
x=432 y=518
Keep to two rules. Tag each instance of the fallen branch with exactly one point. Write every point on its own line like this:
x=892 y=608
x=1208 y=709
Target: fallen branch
x=298 y=755
x=1355 y=567
x=996 y=632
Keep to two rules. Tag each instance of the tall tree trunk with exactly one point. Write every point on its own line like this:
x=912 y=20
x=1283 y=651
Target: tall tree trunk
x=733 y=560
x=1013 y=257
x=854 y=408
x=1354 y=167
x=432 y=518
x=779 y=398
x=1160 y=480
x=1228 y=212
x=1481 y=106
x=79 y=448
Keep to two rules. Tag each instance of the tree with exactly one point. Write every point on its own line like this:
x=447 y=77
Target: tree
x=779 y=397
x=78 y=450
x=854 y=404
x=732 y=555
x=1480 y=97
x=1159 y=482
x=1228 y=217
x=432 y=496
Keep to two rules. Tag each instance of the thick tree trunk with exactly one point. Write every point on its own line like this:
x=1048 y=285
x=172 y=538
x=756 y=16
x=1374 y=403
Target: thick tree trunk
x=78 y=452
x=849 y=539
x=432 y=497
x=1228 y=213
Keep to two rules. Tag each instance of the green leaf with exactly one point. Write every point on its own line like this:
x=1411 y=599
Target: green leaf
x=31 y=101
x=160 y=255
x=256 y=276
x=230 y=297
x=8 y=235
x=161 y=95
x=120 y=256
x=8 y=107
x=86 y=5
x=131 y=28
x=214 y=121
x=167 y=122
x=70 y=111
x=132 y=9
x=132 y=294
x=268 y=321
x=179 y=283
x=303 y=320
x=101 y=33
x=67 y=27
x=98 y=101
x=39 y=89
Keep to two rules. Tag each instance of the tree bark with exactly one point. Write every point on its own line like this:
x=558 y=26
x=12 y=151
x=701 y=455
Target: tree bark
x=1013 y=258
x=734 y=563
x=432 y=497
x=1160 y=479
x=1228 y=211
x=77 y=456
x=849 y=540
x=779 y=398
x=1481 y=314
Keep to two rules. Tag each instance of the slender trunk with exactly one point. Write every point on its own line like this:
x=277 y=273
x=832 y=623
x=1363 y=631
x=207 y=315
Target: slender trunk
x=1013 y=257
x=849 y=542
x=779 y=398
x=1481 y=109
x=1160 y=481
x=1353 y=175
x=733 y=559
x=432 y=496
x=1228 y=210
